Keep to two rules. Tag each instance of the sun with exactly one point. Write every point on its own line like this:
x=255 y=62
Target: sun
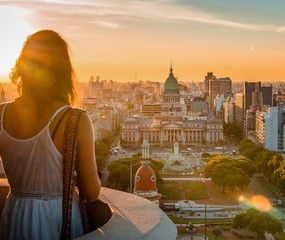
x=14 y=29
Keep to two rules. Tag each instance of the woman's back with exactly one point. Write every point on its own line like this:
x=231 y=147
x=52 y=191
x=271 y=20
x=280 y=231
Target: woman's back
x=33 y=166
x=31 y=153
x=29 y=157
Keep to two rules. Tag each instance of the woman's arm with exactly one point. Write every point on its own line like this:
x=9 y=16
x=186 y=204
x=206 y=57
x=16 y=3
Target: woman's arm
x=86 y=167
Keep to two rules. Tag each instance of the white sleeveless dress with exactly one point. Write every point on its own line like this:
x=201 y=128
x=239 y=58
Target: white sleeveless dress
x=33 y=166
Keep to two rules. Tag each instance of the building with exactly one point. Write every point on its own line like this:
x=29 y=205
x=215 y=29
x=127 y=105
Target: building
x=145 y=179
x=218 y=103
x=197 y=104
x=151 y=109
x=238 y=110
x=172 y=104
x=172 y=125
x=250 y=87
x=250 y=116
x=219 y=86
x=270 y=131
x=206 y=81
x=278 y=100
x=228 y=110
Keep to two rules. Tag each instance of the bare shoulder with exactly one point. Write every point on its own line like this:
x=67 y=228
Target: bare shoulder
x=84 y=118
x=85 y=124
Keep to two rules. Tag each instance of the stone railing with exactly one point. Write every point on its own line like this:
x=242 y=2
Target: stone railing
x=133 y=217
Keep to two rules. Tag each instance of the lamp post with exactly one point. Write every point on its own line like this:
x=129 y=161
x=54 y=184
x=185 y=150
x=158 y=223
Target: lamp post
x=205 y=221
x=131 y=177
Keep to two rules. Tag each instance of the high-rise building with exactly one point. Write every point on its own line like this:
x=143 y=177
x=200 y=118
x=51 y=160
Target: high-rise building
x=228 y=110
x=270 y=130
x=239 y=110
x=206 y=81
x=219 y=86
x=250 y=87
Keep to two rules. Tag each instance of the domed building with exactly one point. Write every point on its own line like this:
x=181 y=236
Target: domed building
x=172 y=105
x=167 y=123
x=171 y=84
x=145 y=180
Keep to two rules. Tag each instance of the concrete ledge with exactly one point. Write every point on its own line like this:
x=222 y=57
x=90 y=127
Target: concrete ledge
x=133 y=218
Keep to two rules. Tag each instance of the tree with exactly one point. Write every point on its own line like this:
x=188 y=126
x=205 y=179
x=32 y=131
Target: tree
x=240 y=220
x=119 y=171
x=106 y=141
x=258 y=222
x=258 y=225
x=267 y=162
x=228 y=175
x=99 y=162
x=102 y=149
x=213 y=161
x=265 y=222
x=274 y=163
x=279 y=176
x=246 y=165
x=232 y=129
x=245 y=144
x=252 y=152
x=217 y=232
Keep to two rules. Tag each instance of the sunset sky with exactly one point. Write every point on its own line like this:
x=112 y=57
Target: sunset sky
x=129 y=40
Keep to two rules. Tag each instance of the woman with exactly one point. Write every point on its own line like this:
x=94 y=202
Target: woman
x=31 y=142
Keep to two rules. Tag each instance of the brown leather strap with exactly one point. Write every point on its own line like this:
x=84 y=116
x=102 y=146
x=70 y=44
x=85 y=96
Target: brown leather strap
x=69 y=155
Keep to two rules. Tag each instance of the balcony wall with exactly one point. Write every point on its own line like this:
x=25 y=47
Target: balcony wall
x=133 y=217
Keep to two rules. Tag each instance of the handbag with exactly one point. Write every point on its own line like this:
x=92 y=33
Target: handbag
x=93 y=214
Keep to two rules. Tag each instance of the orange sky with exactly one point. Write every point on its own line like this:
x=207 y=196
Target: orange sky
x=120 y=40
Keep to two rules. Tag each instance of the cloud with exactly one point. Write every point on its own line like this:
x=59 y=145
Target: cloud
x=251 y=48
x=117 y=14
x=281 y=29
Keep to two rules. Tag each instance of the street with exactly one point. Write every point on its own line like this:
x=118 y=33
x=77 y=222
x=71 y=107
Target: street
x=259 y=186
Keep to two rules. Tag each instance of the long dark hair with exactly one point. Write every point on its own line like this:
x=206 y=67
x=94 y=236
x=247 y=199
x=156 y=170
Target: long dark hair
x=44 y=71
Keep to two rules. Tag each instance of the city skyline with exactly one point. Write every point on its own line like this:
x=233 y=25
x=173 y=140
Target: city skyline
x=138 y=40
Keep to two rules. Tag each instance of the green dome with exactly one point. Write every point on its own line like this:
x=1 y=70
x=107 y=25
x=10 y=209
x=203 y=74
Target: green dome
x=171 y=84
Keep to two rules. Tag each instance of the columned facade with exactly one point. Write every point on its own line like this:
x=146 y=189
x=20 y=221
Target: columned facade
x=188 y=132
x=172 y=125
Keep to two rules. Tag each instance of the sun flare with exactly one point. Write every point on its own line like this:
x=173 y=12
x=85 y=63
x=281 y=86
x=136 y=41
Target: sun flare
x=14 y=30
x=259 y=202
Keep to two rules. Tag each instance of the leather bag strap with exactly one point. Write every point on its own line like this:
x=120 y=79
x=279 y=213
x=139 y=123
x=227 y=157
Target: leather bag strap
x=68 y=166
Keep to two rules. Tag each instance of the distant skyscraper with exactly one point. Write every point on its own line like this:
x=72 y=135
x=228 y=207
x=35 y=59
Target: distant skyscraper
x=219 y=86
x=261 y=97
x=206 y=81
x=250 y=87
x=239 y=110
